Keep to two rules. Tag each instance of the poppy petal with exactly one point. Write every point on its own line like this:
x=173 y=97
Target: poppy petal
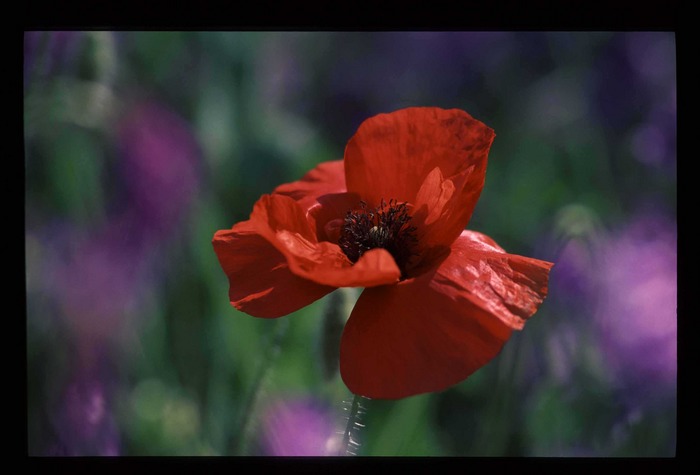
x=430 y=332
x=439 y=215
x=321 y=193
x=260 y=282
x=409 y=339
x=329 y=213
x=281 y=221
x=390 y=155
x=509 y=286
x=326 y=178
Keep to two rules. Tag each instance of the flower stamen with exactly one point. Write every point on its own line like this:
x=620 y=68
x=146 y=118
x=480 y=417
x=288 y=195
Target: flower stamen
x=386 y=226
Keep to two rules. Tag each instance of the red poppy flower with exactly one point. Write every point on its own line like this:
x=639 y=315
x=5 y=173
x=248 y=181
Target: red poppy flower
x=439 y=301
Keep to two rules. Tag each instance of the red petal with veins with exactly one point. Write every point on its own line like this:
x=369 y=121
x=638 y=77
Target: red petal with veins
x=391 y=155
x=430 y=332
x=260 y=282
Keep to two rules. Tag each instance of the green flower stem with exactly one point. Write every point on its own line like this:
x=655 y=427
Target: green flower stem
x=350 y=444
x=240 y=437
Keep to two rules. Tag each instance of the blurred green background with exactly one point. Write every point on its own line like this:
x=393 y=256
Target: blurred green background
x=140 y=145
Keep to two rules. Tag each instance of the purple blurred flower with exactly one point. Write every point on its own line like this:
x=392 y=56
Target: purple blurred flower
x=651 y=144
x=412 y=66
x=572 y=245
x=571 y=282
x=652 y=56
x=636 y=94
x=622 y=95
x=84 y=424
x=299 y=427
x=49 y=52
x=96 y=280
x=571 y=277
x=98 y=277
x=373 y=72
x=637 y=320
x=160 y=159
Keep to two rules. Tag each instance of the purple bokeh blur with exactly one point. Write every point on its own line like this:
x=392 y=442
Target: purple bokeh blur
x=299 y=427
x=627 y=280
x=49 y=52
x=98 y=277
x=572 y=296
x=637 y=85
x=159 y=162
x=84 y=423
x=653 y=57
x=637 y=318
x=374 y=72
x=571 y=277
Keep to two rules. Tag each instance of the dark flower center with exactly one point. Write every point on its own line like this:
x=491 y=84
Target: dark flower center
x=386 y=226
